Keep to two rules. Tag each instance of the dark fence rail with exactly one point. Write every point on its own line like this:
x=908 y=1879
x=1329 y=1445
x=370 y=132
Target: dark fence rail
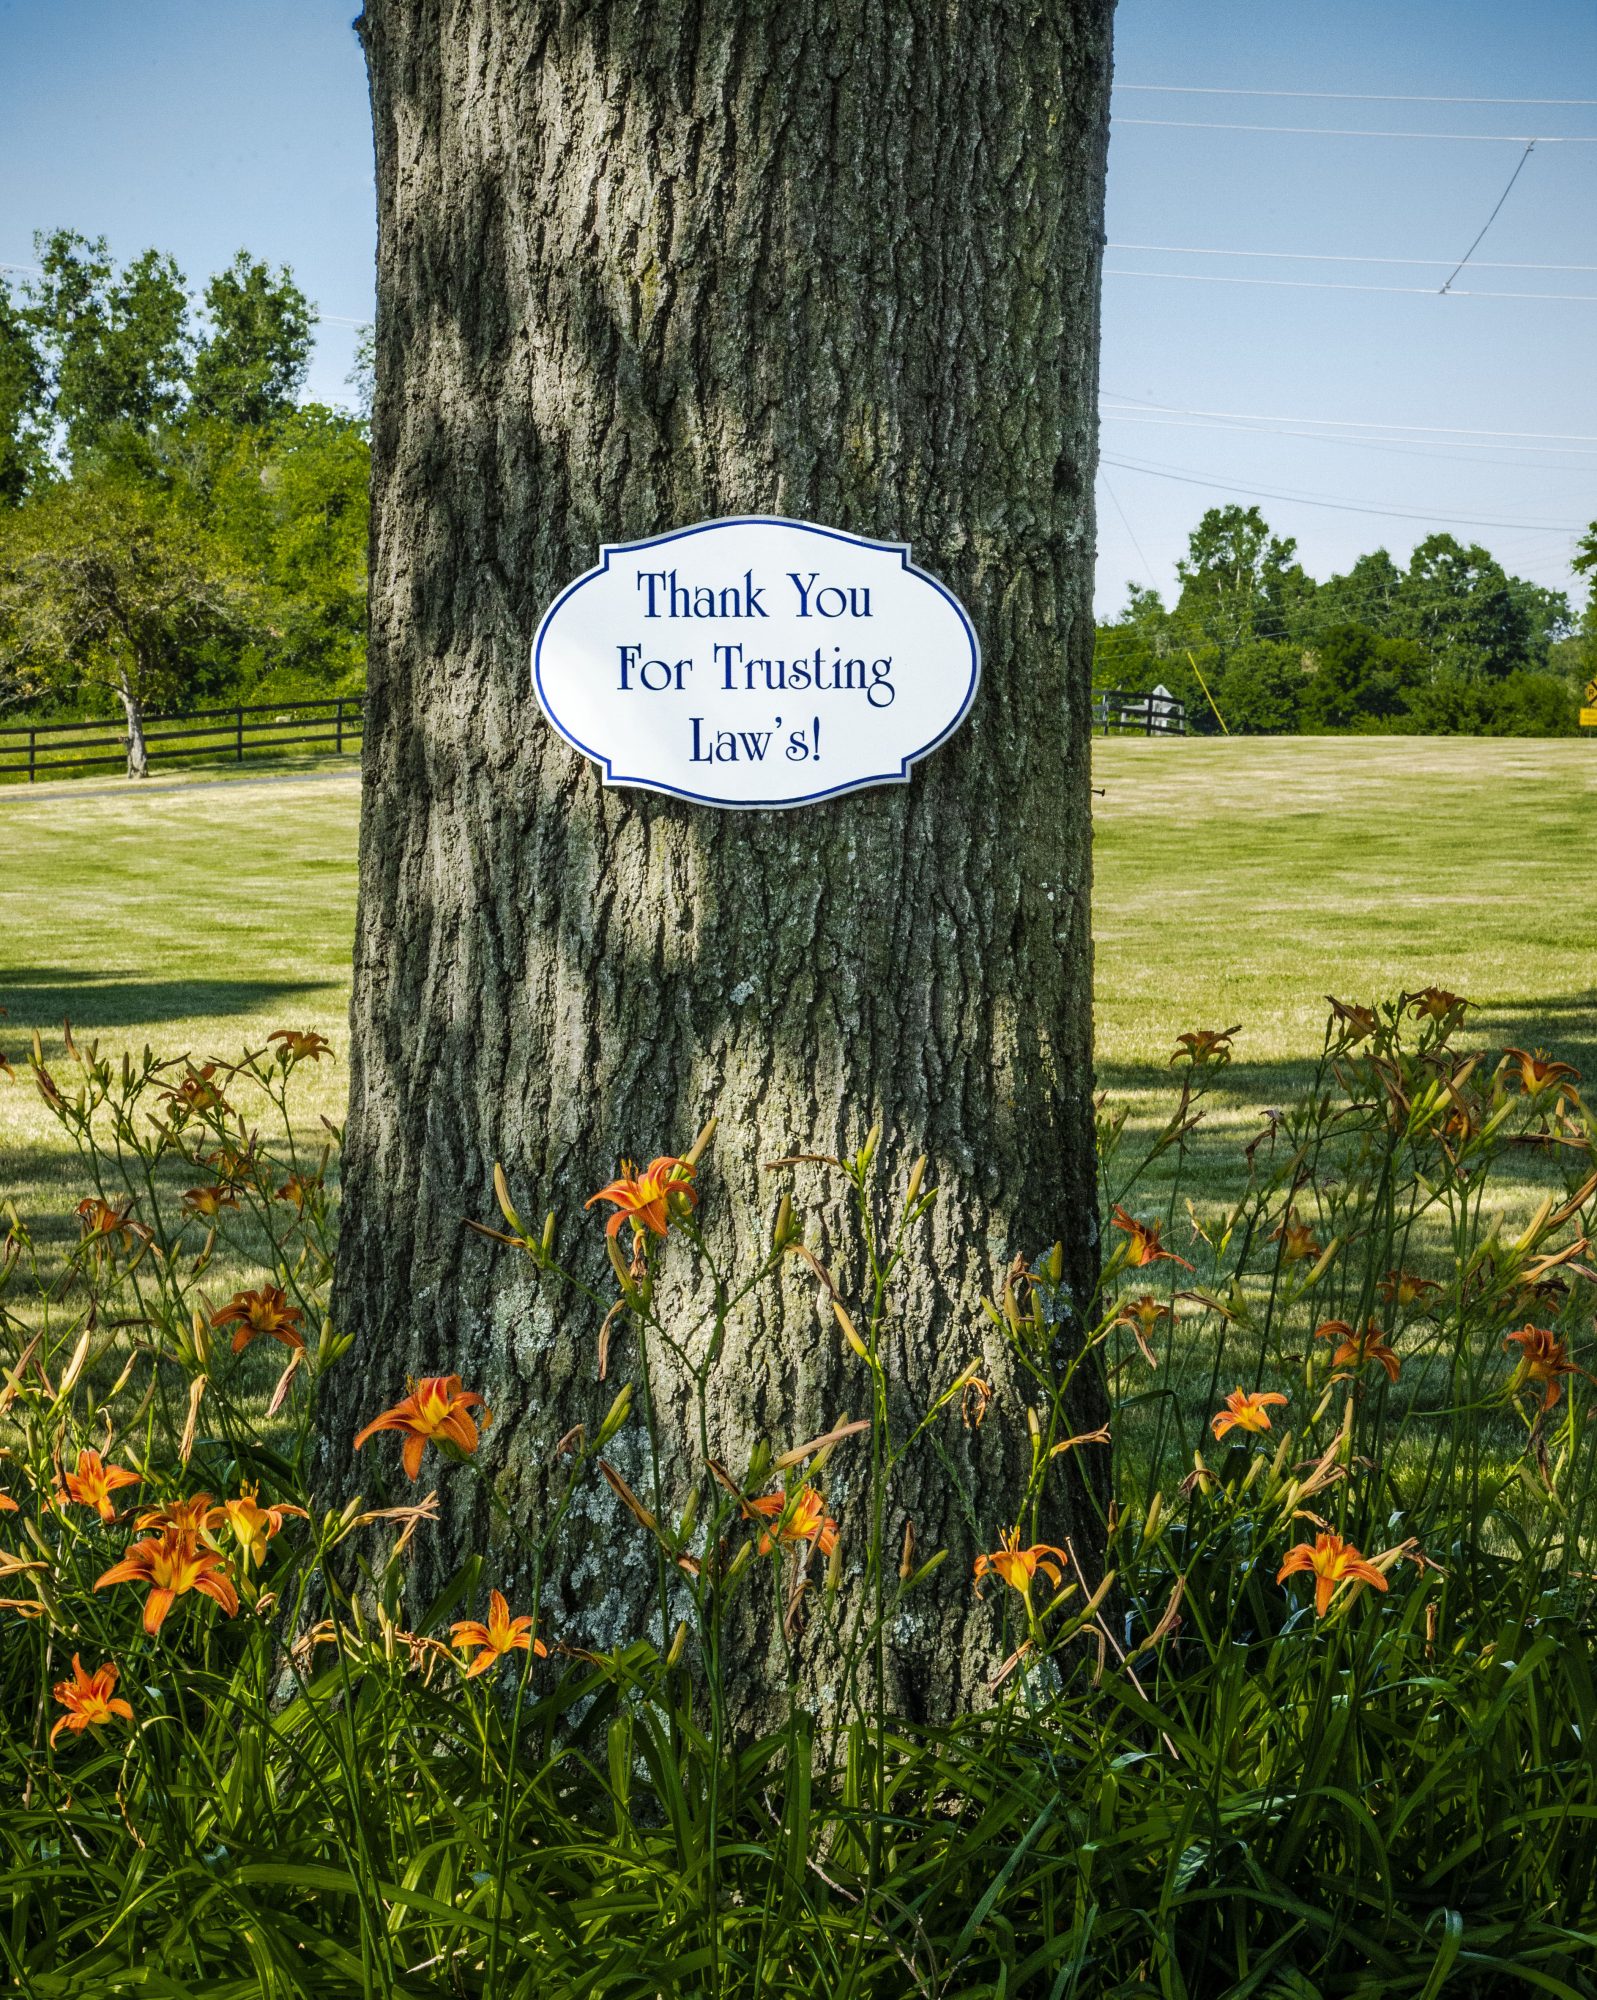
x=34 y=750
x=1143 y=714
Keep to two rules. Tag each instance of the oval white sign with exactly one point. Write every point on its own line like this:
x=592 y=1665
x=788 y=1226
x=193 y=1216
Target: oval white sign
x=755 y=662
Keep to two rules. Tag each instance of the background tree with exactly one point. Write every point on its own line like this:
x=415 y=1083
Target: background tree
x=103 y=587
x=1238 y=580
x=250 y=367
x=648 y=266
x=117 y=346
x=24 y=404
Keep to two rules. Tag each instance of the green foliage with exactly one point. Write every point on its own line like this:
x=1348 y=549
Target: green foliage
x=1451 y=644
x=117 y=346
x=250 y=369
x=1262 y=687
x=105 y=591
x=1193 y=1784
x=23 y=393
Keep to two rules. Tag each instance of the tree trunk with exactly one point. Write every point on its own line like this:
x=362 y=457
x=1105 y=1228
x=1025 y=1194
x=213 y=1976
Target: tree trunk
x=133 y=711
x=639 y=267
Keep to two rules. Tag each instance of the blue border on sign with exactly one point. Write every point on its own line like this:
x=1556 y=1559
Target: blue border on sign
x=611 y=777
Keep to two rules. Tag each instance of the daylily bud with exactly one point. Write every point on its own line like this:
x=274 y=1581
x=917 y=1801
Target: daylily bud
x=1150 y=1526
x=502 y=1196
x=690 y=1513
x=615 y=1416
x=1055 y=1266
x=783 y=1226
x=200 y=1327
x=916 y=1174
x=739 y=1562
x=629 y=1291
x=849 y=1332
x=906 y=1562
x=695 y=1152
x=679 y=1640
x=548 y=1243
x=873 y=1138
x=834 y=1566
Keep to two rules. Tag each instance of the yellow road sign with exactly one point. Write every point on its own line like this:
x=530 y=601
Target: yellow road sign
x=1588 y=718
x=1591 y=691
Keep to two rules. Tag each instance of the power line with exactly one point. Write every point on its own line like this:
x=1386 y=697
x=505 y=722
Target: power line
x=1337 y=96
x=1436 y=450
x=1334 y=257
x=1364 y=132
x=1447 y=283
x=1359 y=423
x=1340 y=506
x=1331 y=285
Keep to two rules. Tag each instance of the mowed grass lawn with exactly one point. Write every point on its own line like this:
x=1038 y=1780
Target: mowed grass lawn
x=1236 y=882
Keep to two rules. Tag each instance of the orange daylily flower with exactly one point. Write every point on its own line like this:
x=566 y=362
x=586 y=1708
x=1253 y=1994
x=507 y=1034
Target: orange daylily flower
x=197 y=1092
x=1355 y=1349
x=90 y=1700
x=1538 y=1073
x=265 y=1311
x=210 y=1201
x=501 y=1635
x=1333 y=1562
x=1017 y=1566
x=172 y=1565
x=300 y=1045
x=1206 y=1045
x=1143 y=1247
x=650 y=1199
x=437 y=1411
x=252 y=1526
x=799 y=1518
x=299 y=1189
x=104 y=1225
x=1435 y=1003
x=94 y=1482
x=1142 y=1316
x=193 y=1517
x=1404 y=1288
x=1246 y=1410
x=8 y=1505
x=1357 y=1023
x=1544 y=1358
x=1297 y=1239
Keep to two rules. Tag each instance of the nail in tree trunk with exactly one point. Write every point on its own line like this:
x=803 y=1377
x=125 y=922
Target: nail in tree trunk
x=639 y=267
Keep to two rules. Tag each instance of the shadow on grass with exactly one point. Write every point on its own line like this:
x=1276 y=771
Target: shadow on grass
x=43 y=996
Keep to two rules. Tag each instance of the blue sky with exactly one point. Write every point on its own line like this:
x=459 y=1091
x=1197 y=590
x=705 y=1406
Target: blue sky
x=201 y=125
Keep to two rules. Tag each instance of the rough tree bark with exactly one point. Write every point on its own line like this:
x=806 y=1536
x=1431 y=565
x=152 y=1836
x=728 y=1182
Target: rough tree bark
x=639 y=266
x=133 y=713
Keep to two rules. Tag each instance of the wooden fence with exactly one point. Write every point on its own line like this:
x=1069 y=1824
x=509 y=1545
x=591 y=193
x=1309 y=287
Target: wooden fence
x=51 y=749
x=1157 y=714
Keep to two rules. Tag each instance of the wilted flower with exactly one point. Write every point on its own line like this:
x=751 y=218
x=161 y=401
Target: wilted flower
x=1246 y=1410
x=1357 y=1023
x=90 y=1700
x=1355 y=1349
x=1544 y=1358
x=252 y=1526
x=300 y=1046
x=1403 y=1289
x=1205 y=1045
x=437 y=1411
x=1143 y=1246
x=500 y=1636
x=801 y=1517
x=1297 y=1239
x=973 y=1401
x=173 y=1565
x=1017 y=1566
x=299 y=1189
x=94 y=1482
x=266 y=1311
x=1333 y=1562
x=1142 y=1316
x=650 y=1199
x=1538 y=1073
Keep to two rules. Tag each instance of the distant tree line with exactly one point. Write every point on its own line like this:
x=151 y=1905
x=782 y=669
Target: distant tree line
x=176 y=528
x=1451 y=644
